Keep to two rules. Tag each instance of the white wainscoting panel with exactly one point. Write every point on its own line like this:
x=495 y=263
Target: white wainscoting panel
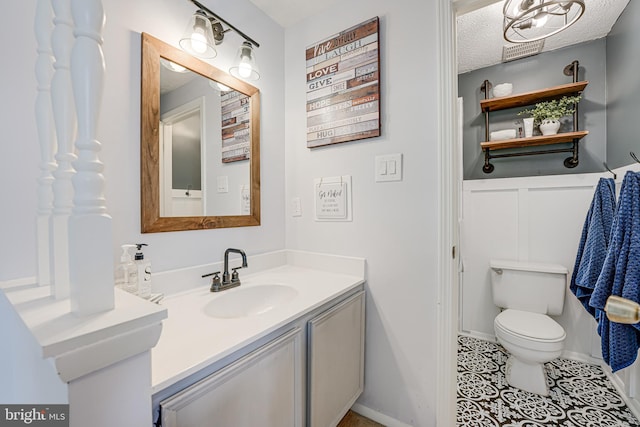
x=527 y=219
x=533 y=219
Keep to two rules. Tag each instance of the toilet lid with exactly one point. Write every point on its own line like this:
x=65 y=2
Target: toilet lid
x=530 y=325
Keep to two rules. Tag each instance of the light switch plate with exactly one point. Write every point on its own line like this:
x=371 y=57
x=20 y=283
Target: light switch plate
x=388 y=167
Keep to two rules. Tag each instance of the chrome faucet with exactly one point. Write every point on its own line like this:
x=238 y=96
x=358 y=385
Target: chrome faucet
x=228 y=280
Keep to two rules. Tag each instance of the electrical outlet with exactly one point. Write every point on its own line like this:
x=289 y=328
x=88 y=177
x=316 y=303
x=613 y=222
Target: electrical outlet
x=296 y=207
x=223 y=184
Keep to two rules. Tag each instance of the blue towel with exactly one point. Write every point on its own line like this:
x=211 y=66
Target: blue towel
x=594 y=242
x=621 y=276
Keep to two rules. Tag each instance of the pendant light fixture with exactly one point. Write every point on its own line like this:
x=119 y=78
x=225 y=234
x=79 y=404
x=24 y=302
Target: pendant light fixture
x=533 y=20
x=206 y=29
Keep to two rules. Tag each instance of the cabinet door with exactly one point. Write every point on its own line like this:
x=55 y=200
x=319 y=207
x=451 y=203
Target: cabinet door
x=262 y=389
x=335 y=361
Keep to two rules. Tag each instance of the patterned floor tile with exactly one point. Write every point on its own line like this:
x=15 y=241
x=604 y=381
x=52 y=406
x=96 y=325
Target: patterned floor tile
x=581 y=395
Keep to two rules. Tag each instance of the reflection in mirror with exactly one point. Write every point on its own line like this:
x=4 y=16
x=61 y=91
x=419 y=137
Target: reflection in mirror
x=199 y=144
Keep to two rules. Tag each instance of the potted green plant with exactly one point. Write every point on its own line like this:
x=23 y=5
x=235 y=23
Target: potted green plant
x=547 y=114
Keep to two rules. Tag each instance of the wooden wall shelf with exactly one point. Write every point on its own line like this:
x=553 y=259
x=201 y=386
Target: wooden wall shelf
x=534 y=141
x=528 y=98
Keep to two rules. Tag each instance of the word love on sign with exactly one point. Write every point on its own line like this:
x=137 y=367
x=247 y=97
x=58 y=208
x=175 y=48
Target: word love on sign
x=343 y=86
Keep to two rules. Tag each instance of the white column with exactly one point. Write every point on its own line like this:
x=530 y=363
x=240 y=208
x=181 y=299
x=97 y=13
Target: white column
x=90 y=236
x=43 y=27
x=118 y=395
x=101 y=366
x=64 y=116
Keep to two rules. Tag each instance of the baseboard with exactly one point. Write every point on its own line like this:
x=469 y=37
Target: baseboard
x=18 y=283
x=632 y=404
x=478 y=335
x=376 y=416
x=581 y=357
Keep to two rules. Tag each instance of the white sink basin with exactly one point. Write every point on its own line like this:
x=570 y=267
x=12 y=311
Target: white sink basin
x=251 y=301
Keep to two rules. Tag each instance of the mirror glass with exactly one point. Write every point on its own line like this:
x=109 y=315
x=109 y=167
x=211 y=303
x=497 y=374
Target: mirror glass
x=199 y=144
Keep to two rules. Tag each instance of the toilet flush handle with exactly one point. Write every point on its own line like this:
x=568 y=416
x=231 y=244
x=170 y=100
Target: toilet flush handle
x=497 y=270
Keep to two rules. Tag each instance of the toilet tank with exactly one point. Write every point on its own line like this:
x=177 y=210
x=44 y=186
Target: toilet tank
x=528 y=286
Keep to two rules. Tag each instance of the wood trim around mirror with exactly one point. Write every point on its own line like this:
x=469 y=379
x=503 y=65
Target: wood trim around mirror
x=151 y=221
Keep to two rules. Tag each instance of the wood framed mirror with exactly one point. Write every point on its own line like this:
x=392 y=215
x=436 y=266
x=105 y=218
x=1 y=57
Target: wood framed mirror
x=200 y=144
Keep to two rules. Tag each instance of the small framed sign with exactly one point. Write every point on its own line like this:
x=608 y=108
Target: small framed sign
x=332 y=197
x=343 y=86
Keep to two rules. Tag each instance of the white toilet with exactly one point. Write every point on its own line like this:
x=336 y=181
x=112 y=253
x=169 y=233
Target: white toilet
x=528 y=293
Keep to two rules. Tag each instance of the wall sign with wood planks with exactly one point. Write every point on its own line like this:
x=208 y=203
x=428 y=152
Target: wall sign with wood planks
x=343 y=86
x=236 y=126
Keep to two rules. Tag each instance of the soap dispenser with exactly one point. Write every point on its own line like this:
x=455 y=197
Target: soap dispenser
x=127 y=271
x=144 y=272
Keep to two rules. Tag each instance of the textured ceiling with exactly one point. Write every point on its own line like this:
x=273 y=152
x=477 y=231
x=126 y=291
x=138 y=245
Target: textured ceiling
x=480 y=39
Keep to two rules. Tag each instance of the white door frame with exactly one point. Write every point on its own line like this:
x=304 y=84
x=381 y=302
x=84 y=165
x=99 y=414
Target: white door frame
x=447 y=304
x=166 y=122
x=448 y=229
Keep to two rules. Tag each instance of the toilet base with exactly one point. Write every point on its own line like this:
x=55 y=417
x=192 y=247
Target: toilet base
x=529 y=377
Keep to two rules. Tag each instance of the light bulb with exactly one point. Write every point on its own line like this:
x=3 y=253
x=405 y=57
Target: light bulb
x=540 y=19
x=516 y=10
x=176 y=67
x=244 y=65
x=198 y=41
x=244 y=69
x=170 y=65
x=522 y=6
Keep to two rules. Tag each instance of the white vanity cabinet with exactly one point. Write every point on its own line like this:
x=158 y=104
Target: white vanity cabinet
x=335 y=361
x=263 y=388
x=307 y=373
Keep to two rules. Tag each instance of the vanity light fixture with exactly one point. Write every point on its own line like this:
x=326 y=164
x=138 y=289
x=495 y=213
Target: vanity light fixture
x=217 y=86
x=245 y=66
x=172 y=66
x=206 y=29
x=197 y=38
x=533 y=20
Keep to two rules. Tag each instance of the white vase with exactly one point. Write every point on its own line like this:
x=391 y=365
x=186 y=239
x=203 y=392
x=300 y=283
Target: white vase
x=528 y=127
x=549 y=127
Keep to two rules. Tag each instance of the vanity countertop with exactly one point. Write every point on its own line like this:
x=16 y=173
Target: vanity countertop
x=192 y=340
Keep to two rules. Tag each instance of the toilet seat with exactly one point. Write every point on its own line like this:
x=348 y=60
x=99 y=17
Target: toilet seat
x=528 y=326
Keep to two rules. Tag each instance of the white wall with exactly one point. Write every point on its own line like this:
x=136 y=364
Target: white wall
x=395 y=223
x=119 y=132
x=26 y=376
